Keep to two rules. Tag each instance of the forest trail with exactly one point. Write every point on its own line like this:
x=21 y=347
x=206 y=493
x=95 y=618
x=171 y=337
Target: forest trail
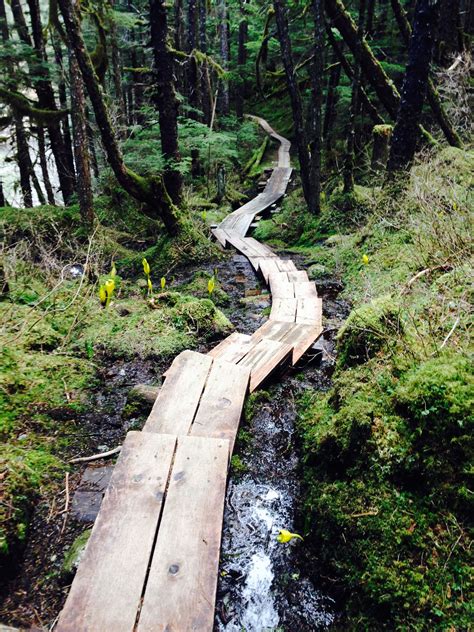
x=152 y=559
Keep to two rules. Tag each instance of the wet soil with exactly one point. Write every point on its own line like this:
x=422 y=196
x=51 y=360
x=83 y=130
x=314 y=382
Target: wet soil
x=36 y=592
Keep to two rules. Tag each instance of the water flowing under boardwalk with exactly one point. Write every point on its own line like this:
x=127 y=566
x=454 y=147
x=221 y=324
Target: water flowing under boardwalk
x=152 y=560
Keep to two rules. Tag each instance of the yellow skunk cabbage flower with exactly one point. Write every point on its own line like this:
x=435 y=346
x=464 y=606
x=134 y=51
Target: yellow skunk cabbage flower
x=150 y=285
x=365 y=260
x=113 y=272
x=109 y=287
x=163 y=283
x=103 y=295
x=146 y=267
x=286 y=536
x=211 y=284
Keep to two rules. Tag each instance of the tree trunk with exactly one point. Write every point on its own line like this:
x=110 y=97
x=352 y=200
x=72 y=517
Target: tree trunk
x=66 y=128
x=166 y=101
x=223 y=28
x=369 y=27
x=241 y=61
x=193 y=82
x=179 y=41
x=116 y=74
x=331 y=100
x=449 y=40
x=381 y=137
x=81 y=151
x=47 y=101
x=354 y=110
x=149 y=191
x=23 y=161
x=44 y=166
x=433 y=97
x=315 y=135
x=406 y=131
x=206 y=88
x=296 y=105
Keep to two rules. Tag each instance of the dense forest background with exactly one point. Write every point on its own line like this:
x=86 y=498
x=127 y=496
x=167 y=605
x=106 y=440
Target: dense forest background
x=124 y=136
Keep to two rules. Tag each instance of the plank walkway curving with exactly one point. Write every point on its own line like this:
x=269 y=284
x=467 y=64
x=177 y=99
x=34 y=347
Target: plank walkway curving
x=152 y=560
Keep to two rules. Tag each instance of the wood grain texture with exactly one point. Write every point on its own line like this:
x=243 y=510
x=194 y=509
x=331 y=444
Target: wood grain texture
x=263 y=359
x=305 y=289
x=177 y=402
x=284 y=309
x=309 y=311
x=233 y=348
x=280 y=287
x=221 y=405
x=181 y=588
x=106 y=591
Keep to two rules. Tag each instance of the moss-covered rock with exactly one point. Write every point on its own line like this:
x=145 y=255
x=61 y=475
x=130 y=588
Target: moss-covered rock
x=368 y=329
x=75 y=553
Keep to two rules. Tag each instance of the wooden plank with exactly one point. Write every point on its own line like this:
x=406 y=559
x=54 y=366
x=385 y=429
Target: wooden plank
x=267 y=266
x=181 y=589
x=263 y=358
x=280 y=287
x=297 y=276
x=305 y=289
x=108 y=586
x=264 y=251
x=309 y=311
x=233 y=348
x=177 y=402
x=299 y=336
x=241 y=245
x=283 y=309
x=221 y=405
x=286 y=265
x=219 y=234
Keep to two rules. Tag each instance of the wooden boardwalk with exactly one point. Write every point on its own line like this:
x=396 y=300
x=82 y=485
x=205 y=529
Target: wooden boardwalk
x=152 y=560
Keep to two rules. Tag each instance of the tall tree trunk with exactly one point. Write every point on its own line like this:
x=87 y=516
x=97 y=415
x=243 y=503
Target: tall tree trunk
x=117 y=74
x=405 y=133
x=315 y=136
x=23 y=161
x=149 y=191
x=369 y=27
x=223 y=28
x=66 y=128
x=296 y=105
x=166 y=101
x=193 y=82
x=44 y=166
x=206 y=88
x=433 y=97
x=81 y=141
x=331 y=100
x=178 y=12
x=241 y=61
x=354 y=111
x=449 y=41
x=47 y=101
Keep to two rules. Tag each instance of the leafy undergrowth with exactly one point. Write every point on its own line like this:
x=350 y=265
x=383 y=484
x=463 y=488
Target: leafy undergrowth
x=388 y=450
x=55 y=334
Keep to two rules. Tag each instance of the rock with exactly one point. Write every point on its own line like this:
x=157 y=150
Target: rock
x=75 y=553
x=143 y=393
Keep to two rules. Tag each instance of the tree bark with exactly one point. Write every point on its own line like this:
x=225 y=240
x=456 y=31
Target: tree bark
x=44 y=166
x=433 y=97
x=241 y=61
x=81 y=141
x=206 y=88
x=354 y=110
x=23 y=161
x=223 y=28
x=381 y=136
x=316 y=71
x=166 y=101
x=449 y=40
x=193 y=81
x=149 y=191
x=116 y=73
x=296 y=105
x=331 y=100
x=406 y=130
x=47 y=101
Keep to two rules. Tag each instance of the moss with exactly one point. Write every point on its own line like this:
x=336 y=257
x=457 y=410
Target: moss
x=75 y=552
x=199 y=287
x=238 y=466
x=369 y=329
x=253 y=401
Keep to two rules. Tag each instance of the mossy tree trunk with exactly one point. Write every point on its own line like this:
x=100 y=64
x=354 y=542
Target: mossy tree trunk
x=316 y=73
x=381 y=135
x=166 y=100
x=193 y=83
x=206 y=88
x=223 y=28
x=241 y=60
x=406 y=130
x=149 y=191
x=331 y=101
x=81 y=142
x=44 y=165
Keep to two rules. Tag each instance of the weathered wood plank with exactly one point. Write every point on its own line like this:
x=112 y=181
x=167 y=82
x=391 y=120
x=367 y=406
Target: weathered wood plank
x=181 y=588
x=280 y=287
x=283 y=309
x=220 y=409
x=219 y=234
x=299 y=336
x=177 y=402
x=297 y=276
x=305 y=289
x=264 y=251
x=240 y=244
x=286 y=265
x=107 y=589
x=232 y=348
x=309 y=311
x=267 y=266
x=263 y=358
